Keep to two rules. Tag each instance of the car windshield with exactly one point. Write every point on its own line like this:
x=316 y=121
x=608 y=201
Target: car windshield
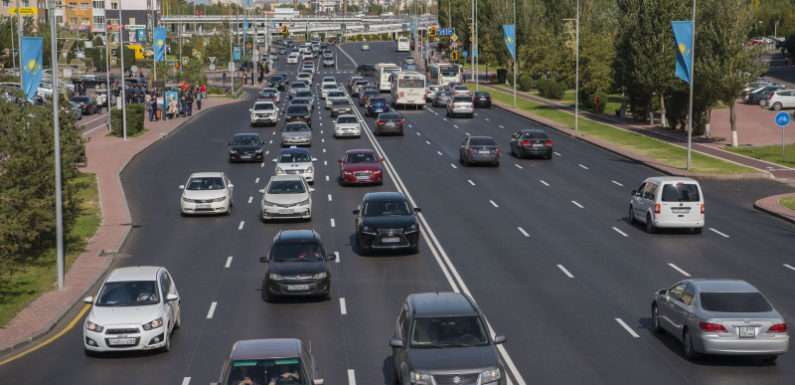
x=263 y=106
x=300 y=101
x=329 y=86
x=376 y=101
x=361 y=157
x=339 y=102
x=336 y=94
x=206 y=183
x=295 y=128
x=128 y=293
x=246 y=140
x=752 y=302
x=481 y=94
x=347 y=119
x=282 y=371
x=680 y=192
x=286 y=187
x=482 y=142
x=381 y=208
x=297 y=110
x=294 y=157
x=296 y=252
x=303 y=94
x=449 y=71
x=440 y=332
x=267 y=94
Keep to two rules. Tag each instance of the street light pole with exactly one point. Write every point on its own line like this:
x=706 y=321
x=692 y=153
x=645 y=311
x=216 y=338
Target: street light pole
x=56 y=129
x=472 y=41
x=123 y=80
x=107 y=75
x=476 y=52
x=516 y=45
x=690 y=107
x=577 y=72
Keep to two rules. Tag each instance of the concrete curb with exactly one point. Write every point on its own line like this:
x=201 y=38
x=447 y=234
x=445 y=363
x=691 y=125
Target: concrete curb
x=772 y=206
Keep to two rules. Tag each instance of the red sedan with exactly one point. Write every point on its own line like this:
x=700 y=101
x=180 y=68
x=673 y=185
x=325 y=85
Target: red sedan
x=361 y=167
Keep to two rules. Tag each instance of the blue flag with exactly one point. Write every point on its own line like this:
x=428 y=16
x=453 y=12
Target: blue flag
x=159 y=44
x=509 y=33
x=683 y=37
x=32 y=70
x=236 y=54
x=245 y=24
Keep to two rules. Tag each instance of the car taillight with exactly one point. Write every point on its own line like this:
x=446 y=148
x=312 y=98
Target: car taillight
x=525 y=142
x=656 y=208
x=548 y=143
x=778 y=328
x=711 y=327
x=347 y=172
x=379 y=122
x=702 y=208
x=403 y=121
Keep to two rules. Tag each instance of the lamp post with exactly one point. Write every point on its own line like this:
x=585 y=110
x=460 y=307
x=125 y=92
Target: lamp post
x=577 y=71
x=123 y=80
x=107 y=75
x=690 y=107
x=517 y=54
x=56 y=129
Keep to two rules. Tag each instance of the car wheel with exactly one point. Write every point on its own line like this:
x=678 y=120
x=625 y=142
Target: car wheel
x=650 y=228
x=167 y=346
x=687 y=346
x=655 y=319
x=631 y=215
x=696 y=230
x=769 y=360
x=363 y=249
x=548 y=156
x=777 y=107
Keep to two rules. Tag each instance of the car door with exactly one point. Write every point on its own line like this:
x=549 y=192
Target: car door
x=648 y=198
x=165 y=290
x=670 y=312
x=637 y=201
x=230 y=189
x=402 y=334
x=177 y=305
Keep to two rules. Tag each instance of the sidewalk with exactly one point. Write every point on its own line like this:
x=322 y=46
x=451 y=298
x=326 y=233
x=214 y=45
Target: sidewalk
x=107 y=156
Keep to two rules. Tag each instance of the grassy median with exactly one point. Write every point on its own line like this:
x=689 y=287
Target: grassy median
x=788 y=202
x=660 y=151
x=768 y=153
x=38 y=276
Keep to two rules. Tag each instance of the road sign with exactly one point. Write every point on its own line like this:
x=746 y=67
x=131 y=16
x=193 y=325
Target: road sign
x=454 y=37
x=24 y=11
x=783 y=119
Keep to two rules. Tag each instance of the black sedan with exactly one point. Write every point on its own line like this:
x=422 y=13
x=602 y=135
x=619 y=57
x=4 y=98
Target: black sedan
x=277 y=81
x=389 y=123
x=87 y=105
x=386 y=221
x=528 y=142
x=297 y=266
x=340 y=106
x=298 y=113
x=246 y=146
x=365 y=70
x=481 y=99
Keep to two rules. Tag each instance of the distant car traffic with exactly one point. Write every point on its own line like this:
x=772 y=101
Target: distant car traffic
x=295 y=161
x=479 y=150
x=246 y=146
x=361 y=166
x=207 y=193
x=389 y=123
x=386 y=221
x=286 y=197
x=668 y=202
x=297 y=266
x=527 y=142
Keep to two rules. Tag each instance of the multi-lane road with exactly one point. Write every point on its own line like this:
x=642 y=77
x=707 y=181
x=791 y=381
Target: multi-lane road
x=544 y=247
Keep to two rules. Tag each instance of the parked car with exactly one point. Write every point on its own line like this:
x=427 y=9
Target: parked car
x=136 y=308
x=87 y=105
x=361 y=166
x=443 y=338
x=528 y=142
x=668 y=202
x=296 y=133
x=281 y=360
x=206 y=193
x=296 y=161
x=297 y=266
x=780 y=99
x=246 y=146
x=376 y=106
x=479 y=150
x=760 y=95
x=460 y=105
x=721 y=317
x=286 y=197
x=389 y=123
x=386 y=221
x=347 y=125
x=481 y=99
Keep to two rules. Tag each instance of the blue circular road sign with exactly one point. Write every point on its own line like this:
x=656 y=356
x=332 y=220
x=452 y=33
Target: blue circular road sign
x=783 y=119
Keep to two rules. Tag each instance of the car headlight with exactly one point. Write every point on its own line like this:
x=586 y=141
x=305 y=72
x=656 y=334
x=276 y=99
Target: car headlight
x=302 y=203
x=418 y=378
x=310 y=169
x=232 y=151
x=412 y=228
x=275 y=277
x=221 y=199
x=187 y=200
x=368 y=230
x=153 y=324
x=490 y=375
x=279 y=171
x=259 y=151
x=321 y=275
x=94 y=327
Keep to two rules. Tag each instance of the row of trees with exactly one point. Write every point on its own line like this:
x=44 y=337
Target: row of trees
x=627 y=47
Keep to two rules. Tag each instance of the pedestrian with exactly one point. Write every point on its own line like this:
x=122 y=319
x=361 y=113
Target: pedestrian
x=199 y=98
x=189 y=102
x=204 y=90
x=153 y=109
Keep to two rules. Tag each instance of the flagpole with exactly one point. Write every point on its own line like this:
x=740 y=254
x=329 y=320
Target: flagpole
x=516 y=49
x=577 y=75
x=123 y=80
x=56 y=130
x=690 y=107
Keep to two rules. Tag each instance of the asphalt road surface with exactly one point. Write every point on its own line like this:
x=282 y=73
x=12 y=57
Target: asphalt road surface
x=543 y=246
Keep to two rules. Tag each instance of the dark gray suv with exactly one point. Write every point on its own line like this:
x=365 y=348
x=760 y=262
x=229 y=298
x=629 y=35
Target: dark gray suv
x=442 y=339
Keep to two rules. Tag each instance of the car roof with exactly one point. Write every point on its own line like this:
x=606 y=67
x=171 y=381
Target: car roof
x=295 y=150
x=266 y=348
x=440 y=304
x=481 y=137
x=721 y=285
x=207 y=174
x=670 y=179
x=384 y=196
x=296 y=236
x=134 y=273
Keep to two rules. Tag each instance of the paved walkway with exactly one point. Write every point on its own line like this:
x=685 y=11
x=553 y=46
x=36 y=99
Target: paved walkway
x=107 y=156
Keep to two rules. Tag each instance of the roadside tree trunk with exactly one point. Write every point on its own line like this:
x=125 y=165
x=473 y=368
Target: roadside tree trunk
x=663 y=117
x=733 y=122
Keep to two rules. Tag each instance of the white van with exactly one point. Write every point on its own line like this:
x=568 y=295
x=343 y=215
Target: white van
x=668 y=202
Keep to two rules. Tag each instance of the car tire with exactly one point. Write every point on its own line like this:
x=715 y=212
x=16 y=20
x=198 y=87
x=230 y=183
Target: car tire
x=687 y=346
x=696 y=230
x=650 y=228
x=548 y=156
x=631 y=215
x=777 y=106
x=167 y=346
x=769 y=360
x=655 y=319
x=363 y=249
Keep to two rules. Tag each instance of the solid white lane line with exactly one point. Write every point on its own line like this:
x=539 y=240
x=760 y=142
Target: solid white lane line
x=577 y=204
x=327 y=178
x=519 y=166
x=616 y=229
x=788 y=266
x=343 y=307
x=627 y=328
x=186 y=381
x=471 y=182
x=228 y=262
x=617 y=183
x=453 y=165
x=211 y=312
x=565 y=271
x=240 y=226
x=679 y=269
x=428 y=142
x=521 y=230
x=716 y=231
x=351 y=377
x=256 y=180
x=329 y=197
x=337 y=257
x=333 y=224
x=543 y=182
x=494 y=203
x=250 y=199
x=556 y=153
x=439 y=153
x=582 y=166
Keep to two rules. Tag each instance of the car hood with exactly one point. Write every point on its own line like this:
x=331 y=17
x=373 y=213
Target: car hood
x=203 y=194
x=244 y=147
x=361 y=166
x=285 y=199
x=390 y=221
x=118 y=315
x=296 y=134
x=295 y=268
x=453 y=359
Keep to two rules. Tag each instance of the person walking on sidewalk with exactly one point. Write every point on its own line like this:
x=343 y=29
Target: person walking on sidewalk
x=153 y=108
x=189 y=102
x=199 y=97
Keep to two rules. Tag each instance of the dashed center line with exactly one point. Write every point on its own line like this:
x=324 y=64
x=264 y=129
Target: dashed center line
x=788 y=266
x=543 y=182
x=521 y=230
x=616 y=229
x=565 y=271
x=327 y=178
x=418 y=133
x=716 y=231
x=679 y=269
x=228 y=262
x=439 y=153
x=582 y=166
x=343 y=306
x=617 y=183
x=351 y=377
x=556 y=153
x=186 y=381
x=501 y=126
x=428 y=142
x=250 y=199
x=627 y=328
x=270 y=142
x=211 y=312
x=333 y=224
x=517 y=165
x=337 y=257
x=471 y=182
x=453 y=165
x=455 y=125
x=494 y=203
x=325 y=163
x=329 y=197
x=577 y=204
x=240 y=226
x=324 y=150
x=261 y=165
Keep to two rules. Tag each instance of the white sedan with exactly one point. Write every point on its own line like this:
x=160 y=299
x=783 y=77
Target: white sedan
x=206 y=193
x=347 y=125
x=286 y=197
x=137 y=308
x=296 y=161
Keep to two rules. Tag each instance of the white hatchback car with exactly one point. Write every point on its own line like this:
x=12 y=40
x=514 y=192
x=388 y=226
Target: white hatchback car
x=781 y=99
x=668 y=202
x=292 y=58
x=286 y=197
x=347 y=125
x=296 y=161
x=137 y=308
x=206 y=193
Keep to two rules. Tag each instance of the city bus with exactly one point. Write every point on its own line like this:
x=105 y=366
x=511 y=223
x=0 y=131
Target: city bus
x=382 y=73
x=403 y=44
x=408 y=89
x=442 y=74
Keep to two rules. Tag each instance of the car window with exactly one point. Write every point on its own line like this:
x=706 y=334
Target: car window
x=263 y=106
x=482 y=142
x=649 y=191
x=361 y=157
x=347 y=119
x=286 y=187
x=294 y=157
x=680 y=192
x=296 y=128
x=296 y=252
x=688 y=295
x=439 y=332
x=281 y=371
x=205 y=183
x=246 y=140
x=378 y=208
x=389 y=116
x=534 y=135
x=752 y=302
x=297 y=109
x=128 y=293
x=461 y=99
x=676 y=291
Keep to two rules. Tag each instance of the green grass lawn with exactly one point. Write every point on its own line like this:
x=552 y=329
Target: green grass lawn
x=613 y=102
x=768 y=153
x=788 y=202
x=40 y=275
x=662 y=152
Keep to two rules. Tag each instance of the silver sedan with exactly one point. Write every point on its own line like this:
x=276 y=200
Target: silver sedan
x=720 y=316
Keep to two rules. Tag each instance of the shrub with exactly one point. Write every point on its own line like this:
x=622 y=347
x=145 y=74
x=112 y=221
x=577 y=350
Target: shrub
x=135 y=120
x=551 y=89
x=602 y=99
x=525 y=82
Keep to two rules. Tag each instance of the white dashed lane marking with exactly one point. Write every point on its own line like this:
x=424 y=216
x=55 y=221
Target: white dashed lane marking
x=617 y=183
x=250 y=199
x=351 y=377
x=494 y=203
x=788 y=266
x=228 y=262
x=679 y=269
x=521 y=230
x=327 y=178
x=428 y=142
x=543 y=182
x=471 y=182
x=337 y=257
x=256 y=180
x=453 y=165
x=577 y=204
x=240 y=226
x=211 y=312
x=333 y=224
x=627 y=328
x=565 y=271
x=343 y=306
x=616 y=229
x=716 y=231
x=439 y=153
x=186 y=381
x=582 y=166
x=329 y=197
x=556 y=153
x=517 y=165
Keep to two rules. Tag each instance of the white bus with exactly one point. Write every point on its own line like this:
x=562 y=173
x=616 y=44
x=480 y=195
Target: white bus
x=403 y=44
x=442 y=74
x=382 y=72
x=408 y=89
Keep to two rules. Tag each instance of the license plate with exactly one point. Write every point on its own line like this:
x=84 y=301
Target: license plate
x=538 y=145
x=297 y=287
x=362 y=177
x=390 y=240
x=484 y=152
x=747 y=331
x=286 y=211
x=121 y=341
x=203 y=206
x=245 y=156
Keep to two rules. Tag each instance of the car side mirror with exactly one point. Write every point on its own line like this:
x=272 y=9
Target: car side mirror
x=356 y=212
x=89 y=299
x=250 y=110
x=172 y=297
x=263 y=259
x=396 y=343
x=182 y=187
x=499 y=340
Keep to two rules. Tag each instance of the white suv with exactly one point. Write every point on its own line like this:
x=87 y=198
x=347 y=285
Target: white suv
x=137 y=308
x=264 y=113
x=781 y=99
x=206 y=193
x=668 y=202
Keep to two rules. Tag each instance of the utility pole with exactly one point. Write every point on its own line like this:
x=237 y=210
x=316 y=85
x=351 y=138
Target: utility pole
x=517 y=53
x=690 y=107
x=231 y=59
x=476 y=52
x=123 y=80
x=107 y=75
x=472 y=40
x=577 y=72
x=56 y=132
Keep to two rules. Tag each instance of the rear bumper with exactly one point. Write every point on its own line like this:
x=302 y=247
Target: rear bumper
x=352 y=179
x=737 y=346
x=678 y=223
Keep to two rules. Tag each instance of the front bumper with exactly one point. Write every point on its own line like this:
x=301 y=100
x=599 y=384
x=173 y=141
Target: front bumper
x=713 y=344
x=264 y=119
x=138 y=340
x=362 y=177
x=382 y=241
x=309 y=176
x=204 y=208
x=292 y=212
x=245 y=157
x=352 y=132
x=303 y=288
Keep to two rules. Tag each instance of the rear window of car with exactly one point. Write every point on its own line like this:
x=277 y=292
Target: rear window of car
x=389 y=116
x=534 y=135
x=482 y=142
x=297 y=110
x=735 y=302
x=680 y=192
x=263 y=106
x=377 y=101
